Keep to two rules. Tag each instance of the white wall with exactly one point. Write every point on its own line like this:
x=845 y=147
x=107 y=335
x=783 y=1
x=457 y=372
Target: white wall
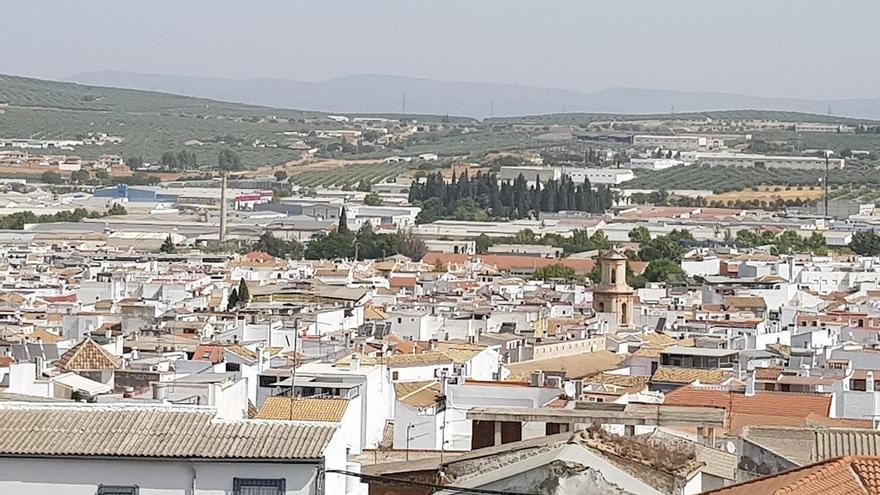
x=82 y=476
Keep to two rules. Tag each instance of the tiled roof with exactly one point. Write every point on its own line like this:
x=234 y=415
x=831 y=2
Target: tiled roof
x=151 y=431
x=672 y=374
x=770 y=408
x=87 y=355
x=767 y=373
x=303 y=409
x=841 y=476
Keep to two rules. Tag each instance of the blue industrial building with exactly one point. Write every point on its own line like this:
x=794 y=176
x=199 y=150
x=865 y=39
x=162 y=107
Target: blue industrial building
x=134 y=194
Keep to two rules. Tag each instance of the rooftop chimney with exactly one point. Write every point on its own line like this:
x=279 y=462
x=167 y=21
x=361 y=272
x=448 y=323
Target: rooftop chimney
x=869 y=381
x=750 y=384
x=355 y=363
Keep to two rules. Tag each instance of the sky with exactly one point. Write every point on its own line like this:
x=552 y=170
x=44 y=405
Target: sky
x=817 y=49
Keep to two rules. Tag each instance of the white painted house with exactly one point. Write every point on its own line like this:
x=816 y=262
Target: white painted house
x=88 y=449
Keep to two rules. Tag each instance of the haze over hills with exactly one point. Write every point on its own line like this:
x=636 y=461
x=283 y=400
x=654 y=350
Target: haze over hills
x=376 y=93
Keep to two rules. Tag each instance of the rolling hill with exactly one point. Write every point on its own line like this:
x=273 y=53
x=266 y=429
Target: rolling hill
x=377 y=93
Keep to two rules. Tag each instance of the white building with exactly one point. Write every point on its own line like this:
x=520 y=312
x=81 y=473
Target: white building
x=722 y=159
x=88 y=449
x=652 y=163
x=678 y=143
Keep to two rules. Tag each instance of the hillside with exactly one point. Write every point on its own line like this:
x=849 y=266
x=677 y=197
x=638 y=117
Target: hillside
x=378 y=93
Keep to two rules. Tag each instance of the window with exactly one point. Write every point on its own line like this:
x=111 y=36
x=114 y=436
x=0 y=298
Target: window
x=116 y=490
x=253 y=486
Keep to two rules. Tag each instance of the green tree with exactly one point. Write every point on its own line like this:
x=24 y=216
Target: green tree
x=663 y=270
x=342 y=228
x=51 y=178
x=372 y=199
x=80 y=176
x=555 y=271
x=364 y=186
x=117 y=209
x=168 y=159
x=228 y=160
x=244 y=294
x=640 y=234
x=134 y=162
x=279 y=248
x=168 y=246
x=281 y=176
x=483 y=243
x=232 y=301
x=102 y=175
x=865 y=243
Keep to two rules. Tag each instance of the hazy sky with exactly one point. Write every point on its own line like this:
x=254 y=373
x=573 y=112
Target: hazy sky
x=796 y=48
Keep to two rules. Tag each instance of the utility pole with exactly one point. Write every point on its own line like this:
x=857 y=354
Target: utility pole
x=404 y=103
x=827 y=168
x=223 y=210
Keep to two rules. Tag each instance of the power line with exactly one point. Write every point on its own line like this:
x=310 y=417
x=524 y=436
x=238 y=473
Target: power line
x=448 y=488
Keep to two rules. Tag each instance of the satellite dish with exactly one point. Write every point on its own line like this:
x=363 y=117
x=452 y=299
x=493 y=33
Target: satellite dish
x=730 y=447
x=569 y=389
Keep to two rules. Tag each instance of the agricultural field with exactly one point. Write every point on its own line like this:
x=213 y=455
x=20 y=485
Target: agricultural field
x=770 y=194
x=726 y=179
x=350 y=175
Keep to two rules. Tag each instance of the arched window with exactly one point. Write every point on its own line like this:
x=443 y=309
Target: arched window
x=624 y=314
x=601 y=307
x=613 y=276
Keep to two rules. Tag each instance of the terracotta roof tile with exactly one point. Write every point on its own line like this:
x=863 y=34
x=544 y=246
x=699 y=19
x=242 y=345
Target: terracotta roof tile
x=87 y=355
x=672 y=374
x=841 y=476
x=303 y=409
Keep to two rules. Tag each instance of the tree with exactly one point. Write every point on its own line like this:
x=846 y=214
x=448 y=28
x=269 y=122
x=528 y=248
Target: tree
x=51 y=178
x=102 y=175
x=364 y=186
x=342 y=228
x=640 y=234
x=865 y=243
x=168 y=159
x=232 y=301
x=372 y=199
x=117 y=209
x=557 y=271
x=281 y=176
x=168 y=246
x=80 y=176
x=483 y=243
x=244 y=294
x=279 y=248
x=134 y=162
x=663 y=270
x=228 y=160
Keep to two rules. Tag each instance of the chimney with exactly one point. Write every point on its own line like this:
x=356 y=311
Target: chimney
x=537 y=379
x=355 y=363
x=135 y=353
x=750 y=384
x=869 y=381
x=223 y=210
x=109 y=334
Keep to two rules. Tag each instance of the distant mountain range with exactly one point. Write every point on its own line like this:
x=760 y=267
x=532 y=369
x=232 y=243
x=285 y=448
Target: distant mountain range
x=376 y=93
